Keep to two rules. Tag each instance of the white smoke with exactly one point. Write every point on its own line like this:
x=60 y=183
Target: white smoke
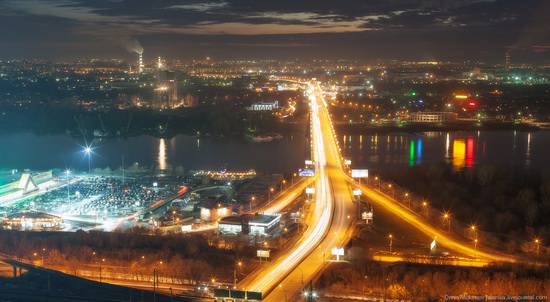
x=132 y=44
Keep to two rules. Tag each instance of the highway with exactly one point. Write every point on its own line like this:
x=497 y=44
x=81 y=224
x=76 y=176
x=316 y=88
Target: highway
x=328 y=220
x=332 y=217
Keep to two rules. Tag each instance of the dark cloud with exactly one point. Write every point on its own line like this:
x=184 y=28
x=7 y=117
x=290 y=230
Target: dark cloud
x=340 y=29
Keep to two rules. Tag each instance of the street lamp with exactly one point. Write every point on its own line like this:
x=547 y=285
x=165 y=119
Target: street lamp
x=408 y=197
x=474 y=229
x=390 y=187
x=475 y=247
x=324 y=252
x=425 y=206
x=100 y=267
x=378 y=180
x=88 y=151
x=391 y=242
x=239 y=264
x=284 y=289
x=252 y=200
x=293 y=175
x=537 y=242
x=269 y=194
x=67 y=172
x=448 y=218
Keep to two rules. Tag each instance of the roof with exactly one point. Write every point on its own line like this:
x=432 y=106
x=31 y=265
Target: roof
x=257 y=218
x=33 y=215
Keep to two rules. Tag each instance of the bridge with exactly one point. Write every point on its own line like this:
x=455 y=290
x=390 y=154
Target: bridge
x=331 y=219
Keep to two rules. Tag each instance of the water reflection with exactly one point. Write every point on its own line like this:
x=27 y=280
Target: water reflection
x=162 y=161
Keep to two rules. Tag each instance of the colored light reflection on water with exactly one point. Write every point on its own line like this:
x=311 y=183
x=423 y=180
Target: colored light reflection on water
x=459 y=154
x=411 y=153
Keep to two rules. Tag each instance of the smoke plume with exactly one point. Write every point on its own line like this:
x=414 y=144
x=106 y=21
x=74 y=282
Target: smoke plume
x=132 y=44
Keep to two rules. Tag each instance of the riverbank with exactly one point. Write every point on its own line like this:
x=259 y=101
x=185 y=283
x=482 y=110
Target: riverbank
x=410 y=127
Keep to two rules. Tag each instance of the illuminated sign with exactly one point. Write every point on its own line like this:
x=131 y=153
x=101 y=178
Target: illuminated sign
x=359 y=173
x=310 y=190
x=309 y=162
x=347 y=162
x=357 y=192
x=306 y=172
x=262 y=253
x=366 y=215
x=461 y=96
x=338 y=251
x=186 y=228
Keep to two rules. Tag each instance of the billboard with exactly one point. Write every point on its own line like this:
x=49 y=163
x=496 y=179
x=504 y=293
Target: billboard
x=306 y=172
x=262 y=253
x=310 y=190
x=357 y=192
x=309 y=162
x=359 y=173
x=338 y=251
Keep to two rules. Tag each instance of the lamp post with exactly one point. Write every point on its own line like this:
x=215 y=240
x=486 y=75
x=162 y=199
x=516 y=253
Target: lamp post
x=293 y=175
x=408 y=197
x=425 y=206
x=323 y=253
x=391 y=242
x=390 y=187
x=377 y=179
x=67 y=172
x=100 y=267
x=284 y=289
x=448 y=219
x=88 y=151
x=269 y=194
x=475 y=247
x=474 y=229
x=537 y=242
x=239 y=264
x=302 y=283
x=252 y=200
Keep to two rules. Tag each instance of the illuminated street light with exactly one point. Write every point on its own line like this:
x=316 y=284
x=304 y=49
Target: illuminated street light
x=408 y=197
x=391 y=242
x=475 y=247
x=425 y=206
x=447 y=217
x=284 y=289
x=67 y=172
x=390 y=187
x=324 y=252
x=474 y=229
x=88 y=151
x=239 y=264
x=269 y=193
x=537 y=242
x=252 y=199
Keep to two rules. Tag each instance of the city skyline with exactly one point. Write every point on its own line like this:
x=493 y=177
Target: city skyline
x=364 y=30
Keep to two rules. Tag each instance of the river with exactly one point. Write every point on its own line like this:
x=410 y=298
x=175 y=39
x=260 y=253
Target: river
x=461 y=149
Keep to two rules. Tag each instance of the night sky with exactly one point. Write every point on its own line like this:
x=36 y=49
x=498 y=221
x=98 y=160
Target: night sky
x=277 y=29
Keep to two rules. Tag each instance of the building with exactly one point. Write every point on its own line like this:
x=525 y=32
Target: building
x=16 y=184
x=264 y=106
x=214 y=210
x=258 y=224
x=32 y=220
x=433 y=117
